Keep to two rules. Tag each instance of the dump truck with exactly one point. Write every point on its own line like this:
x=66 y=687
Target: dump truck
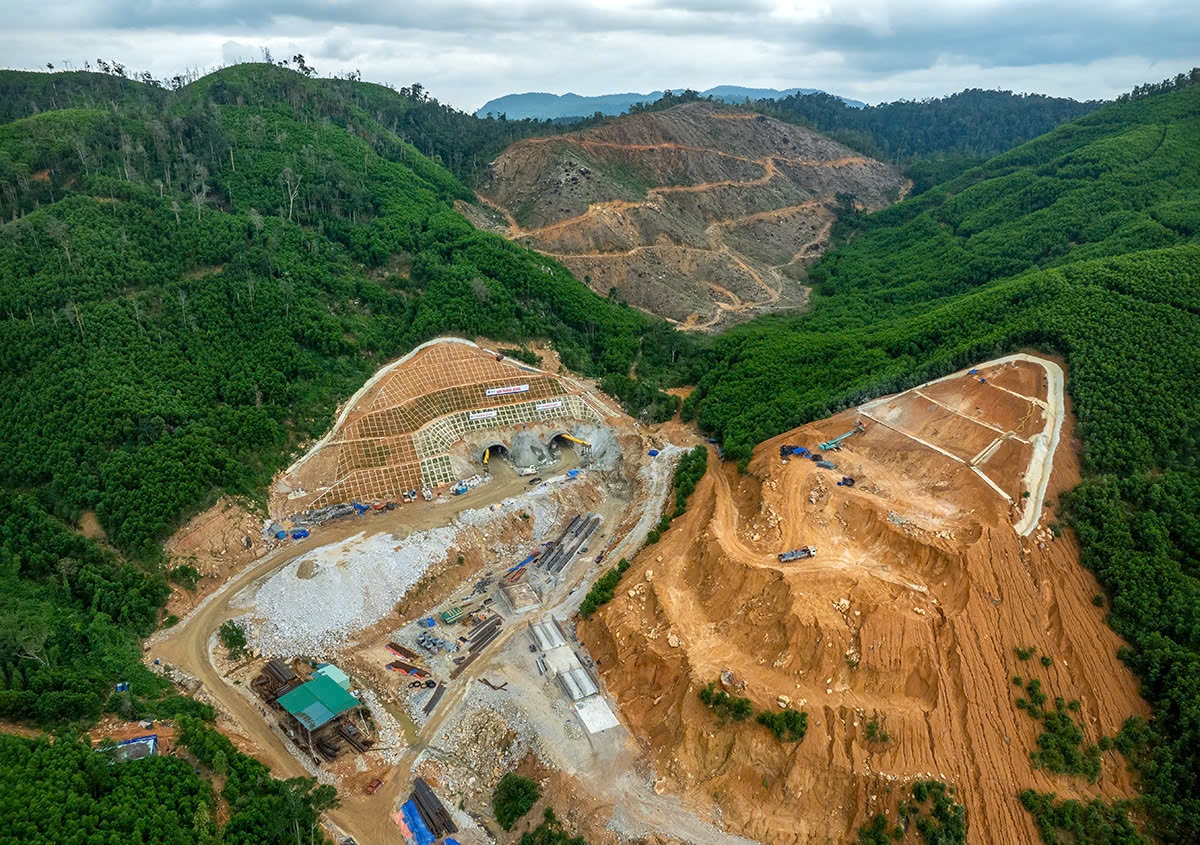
x=798 y=554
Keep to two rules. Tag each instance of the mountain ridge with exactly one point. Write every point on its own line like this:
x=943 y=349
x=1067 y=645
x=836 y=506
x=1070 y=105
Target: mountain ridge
x=542 y=105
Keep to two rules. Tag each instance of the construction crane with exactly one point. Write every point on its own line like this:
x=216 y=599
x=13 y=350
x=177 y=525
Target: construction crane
x=859 y=428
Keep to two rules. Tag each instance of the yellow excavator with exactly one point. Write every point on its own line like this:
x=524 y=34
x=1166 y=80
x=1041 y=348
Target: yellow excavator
x=486 y=454
x=576 y=440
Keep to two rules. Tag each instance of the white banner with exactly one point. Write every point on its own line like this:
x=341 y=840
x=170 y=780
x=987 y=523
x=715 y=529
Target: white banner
x=482 y=415
x=547 y=406
x=504 y=391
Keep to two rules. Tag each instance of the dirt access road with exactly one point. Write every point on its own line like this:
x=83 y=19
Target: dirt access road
x=367 y=817
x=187 y=644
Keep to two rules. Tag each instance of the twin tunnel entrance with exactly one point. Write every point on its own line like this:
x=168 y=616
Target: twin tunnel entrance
x=535 y=449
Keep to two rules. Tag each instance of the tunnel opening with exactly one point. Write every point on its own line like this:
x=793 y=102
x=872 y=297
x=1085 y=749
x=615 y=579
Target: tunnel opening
x=493 y=452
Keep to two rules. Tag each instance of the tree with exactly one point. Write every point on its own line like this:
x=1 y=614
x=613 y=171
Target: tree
x=233 y=636
x=199 y=188
x=513 y=798
x=291 y=181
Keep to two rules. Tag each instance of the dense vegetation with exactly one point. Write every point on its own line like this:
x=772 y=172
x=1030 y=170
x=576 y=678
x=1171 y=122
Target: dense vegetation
x=81 y=795
x=70 y=615
x=933 y=138
x=932 y=812
x=1086 y=243
x=513 y=798
x=1071 y=821
x=460 y=142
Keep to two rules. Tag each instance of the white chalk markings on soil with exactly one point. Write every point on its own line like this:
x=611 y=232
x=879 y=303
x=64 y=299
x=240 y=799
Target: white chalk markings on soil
x=1045 y=442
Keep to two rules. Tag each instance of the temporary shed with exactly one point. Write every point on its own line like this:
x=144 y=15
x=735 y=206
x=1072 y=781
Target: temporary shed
x=547 y=635
x=577 y=683
x=334 y=674
x=318 y=702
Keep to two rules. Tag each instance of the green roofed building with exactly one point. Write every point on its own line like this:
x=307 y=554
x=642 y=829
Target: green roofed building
x=334 y=674
x=318 y=702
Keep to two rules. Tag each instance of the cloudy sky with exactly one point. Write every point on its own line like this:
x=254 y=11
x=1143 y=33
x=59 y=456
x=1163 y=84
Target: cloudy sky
x=468 y=51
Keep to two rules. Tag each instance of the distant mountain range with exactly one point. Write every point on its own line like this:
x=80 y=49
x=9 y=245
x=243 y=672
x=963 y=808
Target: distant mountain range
x=554 y=106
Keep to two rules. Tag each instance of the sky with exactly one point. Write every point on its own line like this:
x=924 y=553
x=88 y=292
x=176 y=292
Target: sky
x=466 y=52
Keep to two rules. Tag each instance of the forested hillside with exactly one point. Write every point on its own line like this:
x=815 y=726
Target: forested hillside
x=460 y=142
x=936 y=138
x=1084 y=242
x=66 y=791
x=190 y=281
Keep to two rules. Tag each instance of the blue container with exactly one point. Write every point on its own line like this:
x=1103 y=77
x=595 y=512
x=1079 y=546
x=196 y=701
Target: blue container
x=653 y=453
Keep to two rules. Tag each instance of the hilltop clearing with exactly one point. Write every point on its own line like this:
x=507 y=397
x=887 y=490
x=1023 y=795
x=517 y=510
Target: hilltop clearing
x=698 y=213
x=907 y=616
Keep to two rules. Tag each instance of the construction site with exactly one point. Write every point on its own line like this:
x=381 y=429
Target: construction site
x=879 y=566
x=422 y=566
x=431 y=422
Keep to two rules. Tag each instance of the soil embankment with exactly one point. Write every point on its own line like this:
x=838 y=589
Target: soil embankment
x=698 y=213
x=921 y=589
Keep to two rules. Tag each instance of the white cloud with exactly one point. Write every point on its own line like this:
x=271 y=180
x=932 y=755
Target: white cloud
x=467 y=51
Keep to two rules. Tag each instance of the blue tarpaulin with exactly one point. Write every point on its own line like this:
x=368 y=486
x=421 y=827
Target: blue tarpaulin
x=412 y=817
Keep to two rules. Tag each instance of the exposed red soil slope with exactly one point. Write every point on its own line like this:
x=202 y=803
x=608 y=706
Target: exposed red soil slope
x=911 y=611
x=697 y=213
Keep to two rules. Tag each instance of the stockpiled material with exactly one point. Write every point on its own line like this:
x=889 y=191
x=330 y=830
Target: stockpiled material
x=355 y=582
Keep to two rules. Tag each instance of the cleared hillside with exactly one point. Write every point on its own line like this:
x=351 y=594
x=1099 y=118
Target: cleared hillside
x=922 y=586
x=698 y=213
x=1082 y=243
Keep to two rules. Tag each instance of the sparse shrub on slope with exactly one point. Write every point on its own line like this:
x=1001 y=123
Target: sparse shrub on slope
x=787 y=725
